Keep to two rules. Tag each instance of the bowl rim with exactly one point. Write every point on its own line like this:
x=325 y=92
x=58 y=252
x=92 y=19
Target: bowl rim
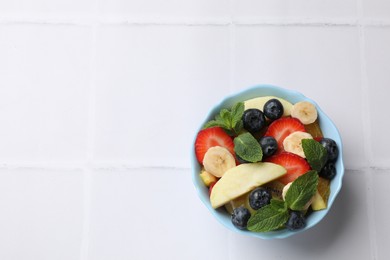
x=273 y=234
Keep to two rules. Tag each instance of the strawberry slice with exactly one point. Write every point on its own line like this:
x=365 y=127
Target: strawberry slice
x=283 y=127
x=294 y=164
x=210 y=137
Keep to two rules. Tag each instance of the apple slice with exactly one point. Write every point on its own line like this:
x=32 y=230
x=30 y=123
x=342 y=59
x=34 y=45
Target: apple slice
x=318 y=202
x=260 y=101
x=242 y=179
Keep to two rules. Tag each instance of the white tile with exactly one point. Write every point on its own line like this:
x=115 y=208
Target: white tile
x=378 y=65
x=151 y=214
x=41 y=214
x=155 y=9
x=381 y=179
x=376 y=9
x=45 y=7
x=44 y=75
x=320 y=62
x=155 y=85
x=294 y=8
x=343 y=233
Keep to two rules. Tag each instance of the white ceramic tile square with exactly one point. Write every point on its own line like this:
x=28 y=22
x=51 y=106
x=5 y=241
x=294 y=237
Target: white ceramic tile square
x=47 y=7
x=166 y=78
x=41 y=214
x=294 y=8
x=320 y=62
x=378 y=67
x=44 y=75
x=151 y=213
x=381 y=179
x=156 y=9
x=376 y=9
x=342 y=234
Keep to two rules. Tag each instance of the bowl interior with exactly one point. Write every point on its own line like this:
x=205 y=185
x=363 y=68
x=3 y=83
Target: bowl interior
x=328 y=129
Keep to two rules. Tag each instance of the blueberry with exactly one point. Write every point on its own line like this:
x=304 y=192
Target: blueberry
x=268 y=145
x=253 y=120
x=328 y=171
x=273 y=109
x=240 y=217
x=296 y=220
x=331 y=148
x=259 y=198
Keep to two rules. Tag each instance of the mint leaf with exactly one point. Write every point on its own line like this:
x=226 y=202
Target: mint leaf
x=218 y=118
x=315 y=153
x=226 y=117
x=230 y=121
x=248 y=148
x=302 y=190
x=214 y=123
x=269 y=217
x=237 y=112
x=279 y=205
x=237 y=128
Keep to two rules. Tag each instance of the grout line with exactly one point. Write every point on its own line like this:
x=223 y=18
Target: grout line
x=93 y=20
x=84 y=252
x=84 y=248
x=365 y=91
x=122 y=167
x=365 y=117
x=297 y=21
x=114 y=20
x=371 y=215
x=232 y=47
x=126 y=166
x=42 y=166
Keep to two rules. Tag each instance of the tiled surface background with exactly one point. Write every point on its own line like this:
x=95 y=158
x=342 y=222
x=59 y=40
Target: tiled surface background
x=100 y=100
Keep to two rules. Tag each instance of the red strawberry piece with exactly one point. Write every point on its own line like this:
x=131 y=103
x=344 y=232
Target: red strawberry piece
x=318 y=139
x=283 y=127
x=210 y=137
x=211 y=187
x=294 y=164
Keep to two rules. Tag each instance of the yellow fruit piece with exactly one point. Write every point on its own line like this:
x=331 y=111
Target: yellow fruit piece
x=242 y=179
x=321 y=197
x=259 y=103
x=238 y=202
x=207 y=178
x=324 y=188
x=276 y=189
x=318 y=202
x=314 y=129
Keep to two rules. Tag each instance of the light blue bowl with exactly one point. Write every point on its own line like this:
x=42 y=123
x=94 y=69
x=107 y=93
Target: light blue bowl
x=329 y=130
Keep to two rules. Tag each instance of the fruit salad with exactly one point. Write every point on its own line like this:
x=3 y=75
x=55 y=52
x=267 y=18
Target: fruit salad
x=266 y=162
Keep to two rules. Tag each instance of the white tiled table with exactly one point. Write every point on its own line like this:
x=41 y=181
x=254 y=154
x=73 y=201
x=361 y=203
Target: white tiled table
x=100 y=100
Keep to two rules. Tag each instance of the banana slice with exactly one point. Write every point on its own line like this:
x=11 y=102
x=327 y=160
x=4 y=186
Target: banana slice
x=293 y=142
x=305 y=112
x=259 y=103
x=285 y=189
x=218 y=160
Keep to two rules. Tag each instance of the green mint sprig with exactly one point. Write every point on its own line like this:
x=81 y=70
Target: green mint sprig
x=302 y=190
x=248 y=148
x=315 y=153
x=231 y=120
x=269 y=217
x=275 y=215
